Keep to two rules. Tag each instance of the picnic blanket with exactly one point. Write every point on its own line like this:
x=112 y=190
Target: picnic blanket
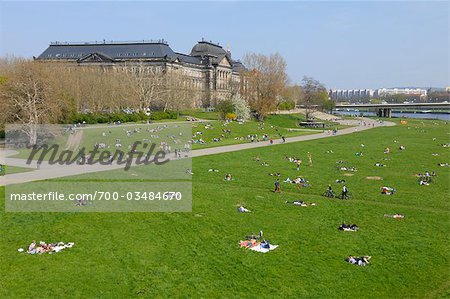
x=258 y=248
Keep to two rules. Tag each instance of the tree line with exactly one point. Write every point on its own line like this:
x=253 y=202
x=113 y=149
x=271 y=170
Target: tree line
x=33 y=92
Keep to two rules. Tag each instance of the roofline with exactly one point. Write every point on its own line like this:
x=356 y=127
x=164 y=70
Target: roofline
x=104 y=42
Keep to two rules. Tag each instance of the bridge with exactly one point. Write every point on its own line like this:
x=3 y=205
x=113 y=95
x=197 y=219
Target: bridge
x=385 y=110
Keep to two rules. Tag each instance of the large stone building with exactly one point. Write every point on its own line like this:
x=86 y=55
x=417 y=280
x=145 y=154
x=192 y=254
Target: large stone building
x=208 y=69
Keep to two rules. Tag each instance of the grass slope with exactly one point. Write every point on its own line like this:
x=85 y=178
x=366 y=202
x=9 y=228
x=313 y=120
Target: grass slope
x=196 y=254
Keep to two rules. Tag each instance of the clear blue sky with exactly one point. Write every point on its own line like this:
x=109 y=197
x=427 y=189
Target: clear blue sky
x=342 y=44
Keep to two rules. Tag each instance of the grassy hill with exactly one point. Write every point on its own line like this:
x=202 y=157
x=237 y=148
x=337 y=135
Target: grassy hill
x=197 y=254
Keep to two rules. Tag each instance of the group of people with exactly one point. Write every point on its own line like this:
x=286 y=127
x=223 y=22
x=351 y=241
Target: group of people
x=42 y=247
x=330 y=193
x=300 y=203
x=426 y=178
x=348 y=227
x=360 y=261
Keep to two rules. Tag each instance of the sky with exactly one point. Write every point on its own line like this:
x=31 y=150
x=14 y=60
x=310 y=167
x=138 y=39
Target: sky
x=345 y=45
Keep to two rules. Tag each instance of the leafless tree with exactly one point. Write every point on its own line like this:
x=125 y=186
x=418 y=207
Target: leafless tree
x=28 y=96
x=265 y=80
x=313 y=95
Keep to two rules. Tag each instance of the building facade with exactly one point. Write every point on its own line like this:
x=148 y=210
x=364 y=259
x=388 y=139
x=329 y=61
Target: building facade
x=209 y=69
x=366 y=94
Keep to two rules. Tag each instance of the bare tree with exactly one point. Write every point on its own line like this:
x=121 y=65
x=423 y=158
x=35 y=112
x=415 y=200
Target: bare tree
x=314 y=93
x=145 y=82
x=28 y=96
x=265 y=80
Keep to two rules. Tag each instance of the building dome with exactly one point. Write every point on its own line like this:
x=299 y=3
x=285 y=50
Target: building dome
x=207 y=48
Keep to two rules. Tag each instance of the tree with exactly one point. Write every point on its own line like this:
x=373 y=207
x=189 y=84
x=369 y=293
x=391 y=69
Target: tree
x=328 y=105
x=145 y=82
x=241 y=107
x=291 y=94
x=264 y=81
x=314 y=94
x=224 y=107
x=29 y=97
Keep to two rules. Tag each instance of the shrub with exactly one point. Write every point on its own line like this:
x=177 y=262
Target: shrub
x=288 y=105
x=230 y=116
x=224 y=107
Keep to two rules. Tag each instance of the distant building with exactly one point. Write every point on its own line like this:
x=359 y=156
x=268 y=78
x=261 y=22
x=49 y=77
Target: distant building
x=209 y=69
x=365 y=94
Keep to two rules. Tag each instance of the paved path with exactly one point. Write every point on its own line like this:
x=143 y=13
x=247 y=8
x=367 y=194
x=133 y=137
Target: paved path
x=46 y=171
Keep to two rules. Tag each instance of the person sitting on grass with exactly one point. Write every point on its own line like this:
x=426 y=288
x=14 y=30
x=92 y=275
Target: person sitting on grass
x=387 y=190
x=228 y=177
x=265 y=244
x=32 y=247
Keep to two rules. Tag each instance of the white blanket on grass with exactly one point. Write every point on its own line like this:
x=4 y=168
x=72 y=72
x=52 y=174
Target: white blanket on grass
x=258 y=248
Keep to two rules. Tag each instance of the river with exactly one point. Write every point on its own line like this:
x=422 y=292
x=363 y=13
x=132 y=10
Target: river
x=441 y=116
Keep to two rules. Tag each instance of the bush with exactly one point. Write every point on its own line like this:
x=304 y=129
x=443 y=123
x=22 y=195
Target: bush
x=104 y=117
x=288 y=105
x=158 y=115
x=224 y=107
x=230 y=116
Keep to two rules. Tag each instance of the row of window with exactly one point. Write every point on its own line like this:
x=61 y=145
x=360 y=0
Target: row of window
x=75 y=55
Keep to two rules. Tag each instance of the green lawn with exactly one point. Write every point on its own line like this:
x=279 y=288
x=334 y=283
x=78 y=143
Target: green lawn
x=121 y=255
x=13 y=169
x=239 y=132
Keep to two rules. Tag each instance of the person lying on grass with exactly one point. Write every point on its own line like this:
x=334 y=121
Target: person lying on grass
x=47 y=248
x=300 y=181
x=275 y=174
x=387 y=190
x=360 y=261
x=348 y=227
x=395 y=216
x=300 y=203
x=347 y=168
x=213 y=170
x=378 y=164
x=242 y=209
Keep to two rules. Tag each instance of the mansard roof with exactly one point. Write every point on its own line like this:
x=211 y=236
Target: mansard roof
x=204 y=48
x=238 y=66
x=202 y=53
x=139 y=50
